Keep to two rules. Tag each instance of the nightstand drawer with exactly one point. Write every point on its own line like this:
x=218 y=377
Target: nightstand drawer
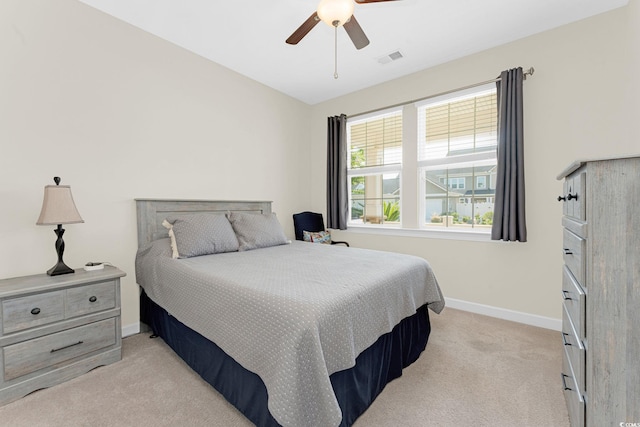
x=575 y=301
x=574 y=348
x=31 y=311
x=574 y=254
x=30 y=356
x=90 y=299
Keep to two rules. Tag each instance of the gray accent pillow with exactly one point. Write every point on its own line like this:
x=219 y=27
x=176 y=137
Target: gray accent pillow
x=202 y=234
x=255 y=230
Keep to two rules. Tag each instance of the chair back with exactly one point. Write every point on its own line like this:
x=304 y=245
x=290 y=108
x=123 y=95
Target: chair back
x=307 y=221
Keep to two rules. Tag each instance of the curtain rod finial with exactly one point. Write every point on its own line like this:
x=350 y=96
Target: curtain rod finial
x=528 y=72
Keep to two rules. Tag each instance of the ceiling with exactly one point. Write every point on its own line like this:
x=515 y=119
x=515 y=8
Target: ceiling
x=249 y=36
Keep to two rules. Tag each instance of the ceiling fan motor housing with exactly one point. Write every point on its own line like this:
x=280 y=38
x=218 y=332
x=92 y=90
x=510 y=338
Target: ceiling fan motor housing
x=335 y=13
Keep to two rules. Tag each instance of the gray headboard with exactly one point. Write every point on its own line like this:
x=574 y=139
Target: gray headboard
x=151 y=213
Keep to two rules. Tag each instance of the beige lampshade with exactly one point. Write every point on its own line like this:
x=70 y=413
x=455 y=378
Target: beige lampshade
x=58 y=206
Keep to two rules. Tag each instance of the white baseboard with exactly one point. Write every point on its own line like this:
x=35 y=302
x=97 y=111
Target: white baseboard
x=131 y=329
x=503 y=313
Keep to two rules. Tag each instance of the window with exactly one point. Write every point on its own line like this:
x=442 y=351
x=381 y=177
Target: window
x=450 y=164
x=375 y=167
x=456 y=183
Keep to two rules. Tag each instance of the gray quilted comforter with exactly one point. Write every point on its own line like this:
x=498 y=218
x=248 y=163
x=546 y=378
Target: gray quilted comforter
x=293 y=314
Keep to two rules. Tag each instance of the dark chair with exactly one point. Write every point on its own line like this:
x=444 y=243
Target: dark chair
x=310 y=221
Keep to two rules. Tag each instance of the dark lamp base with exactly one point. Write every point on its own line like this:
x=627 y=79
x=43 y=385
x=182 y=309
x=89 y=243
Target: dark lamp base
x=60 y=268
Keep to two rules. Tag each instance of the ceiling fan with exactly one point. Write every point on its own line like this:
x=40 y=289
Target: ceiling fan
x=335 y=13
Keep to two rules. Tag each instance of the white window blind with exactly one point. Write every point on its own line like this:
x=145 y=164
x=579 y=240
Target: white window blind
x=376 y=141
x=464 y=126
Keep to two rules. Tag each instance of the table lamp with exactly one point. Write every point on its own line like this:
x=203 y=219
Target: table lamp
x=58 y=208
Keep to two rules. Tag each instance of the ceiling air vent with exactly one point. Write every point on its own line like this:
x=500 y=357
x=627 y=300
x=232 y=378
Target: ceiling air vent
x=393 y=56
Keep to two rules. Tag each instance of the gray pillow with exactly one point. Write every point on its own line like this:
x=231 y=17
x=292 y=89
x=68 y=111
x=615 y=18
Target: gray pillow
x=255 y=230
x=202 y=234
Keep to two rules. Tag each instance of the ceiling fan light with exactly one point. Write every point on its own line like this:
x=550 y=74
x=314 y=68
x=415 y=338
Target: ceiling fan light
x=330 y=11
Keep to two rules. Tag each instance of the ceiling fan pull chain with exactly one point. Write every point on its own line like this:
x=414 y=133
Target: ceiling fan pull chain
x=335 y=70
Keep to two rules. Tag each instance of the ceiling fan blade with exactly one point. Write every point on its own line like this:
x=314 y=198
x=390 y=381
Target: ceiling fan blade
x=358 y=37
x=371 y=1
x=303 y=29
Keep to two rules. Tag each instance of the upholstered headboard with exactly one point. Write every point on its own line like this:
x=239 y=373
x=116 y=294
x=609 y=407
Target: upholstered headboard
x=151 y=213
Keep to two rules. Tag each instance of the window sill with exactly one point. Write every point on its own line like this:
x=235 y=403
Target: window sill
x=475 y=236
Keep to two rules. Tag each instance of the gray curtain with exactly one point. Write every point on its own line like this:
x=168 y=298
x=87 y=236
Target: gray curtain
x=337 y=197
x=509 y=221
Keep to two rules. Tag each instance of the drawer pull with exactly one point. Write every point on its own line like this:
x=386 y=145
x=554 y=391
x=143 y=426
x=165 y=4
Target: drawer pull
x=53 y=350
x=93 y=299
x=572 y=196
x=564 y=295
x=561 y=198
x=564 y=340
x=564 y=382
x=567 y=251
x=35 y=311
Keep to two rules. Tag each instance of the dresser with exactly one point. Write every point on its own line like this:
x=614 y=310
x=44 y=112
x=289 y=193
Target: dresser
x=54 y=328
x=601 y=291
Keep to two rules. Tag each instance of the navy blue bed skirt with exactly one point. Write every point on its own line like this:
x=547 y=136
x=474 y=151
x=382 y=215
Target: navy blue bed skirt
x=355 y=388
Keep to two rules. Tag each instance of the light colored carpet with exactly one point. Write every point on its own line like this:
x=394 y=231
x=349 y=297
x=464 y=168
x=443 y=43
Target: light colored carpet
x=476 y=371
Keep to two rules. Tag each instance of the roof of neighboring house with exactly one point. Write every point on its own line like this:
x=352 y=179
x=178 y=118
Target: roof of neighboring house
x=481 y=192
x=444 y=189
x=453 y=172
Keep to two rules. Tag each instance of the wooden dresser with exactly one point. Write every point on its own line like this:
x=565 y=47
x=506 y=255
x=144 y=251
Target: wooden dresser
x=55 y=328
x=601 y=291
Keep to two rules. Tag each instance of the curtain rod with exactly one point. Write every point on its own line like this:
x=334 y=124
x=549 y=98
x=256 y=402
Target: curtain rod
x=526 y=73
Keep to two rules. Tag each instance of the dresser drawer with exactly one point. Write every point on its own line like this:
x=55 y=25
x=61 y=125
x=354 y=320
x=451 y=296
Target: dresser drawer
x=574 y=192
x=574 y=348
x=572 y=394
x=30 y=356
x=575 y=301
x=574 y=255
x=31 y=311
x=90 y=299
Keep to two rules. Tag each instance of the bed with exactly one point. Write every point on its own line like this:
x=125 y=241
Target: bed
x=290 y=333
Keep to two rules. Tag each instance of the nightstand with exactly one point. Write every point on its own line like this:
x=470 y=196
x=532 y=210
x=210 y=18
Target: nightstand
x=54 y=328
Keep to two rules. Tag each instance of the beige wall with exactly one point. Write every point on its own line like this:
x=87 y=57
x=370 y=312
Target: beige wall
x=120 y=114
x=577 y=105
